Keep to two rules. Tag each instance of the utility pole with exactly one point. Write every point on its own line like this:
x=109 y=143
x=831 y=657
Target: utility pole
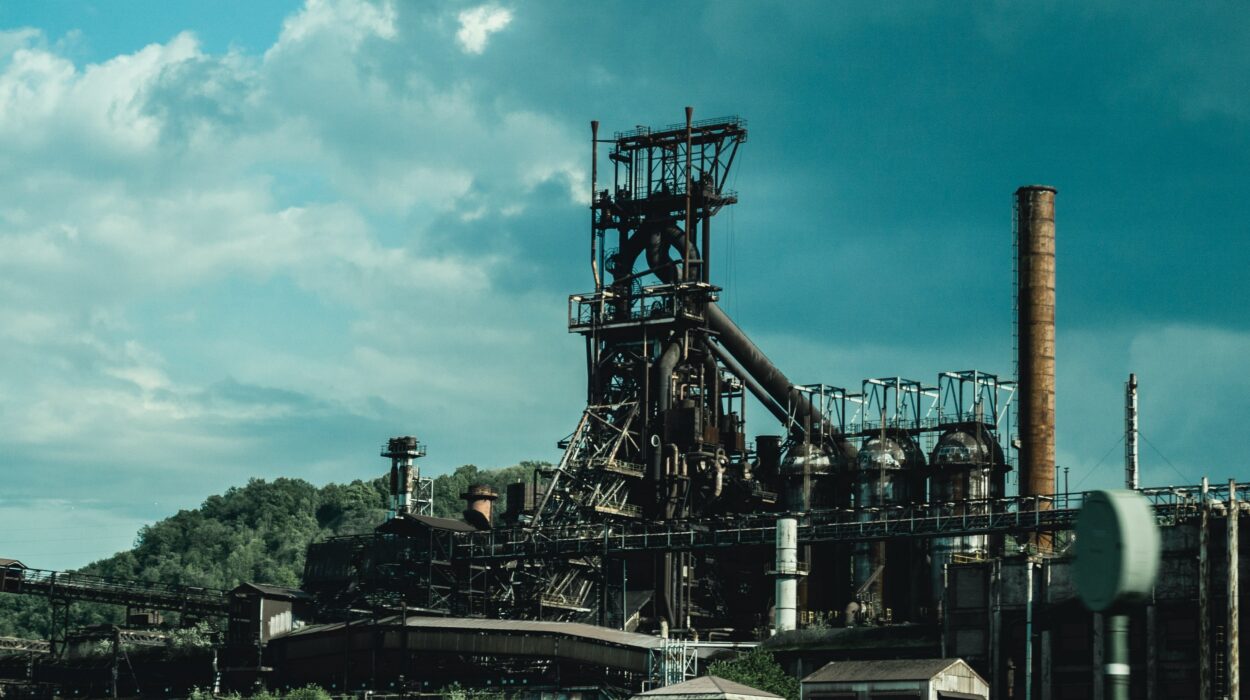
x=1130 y=433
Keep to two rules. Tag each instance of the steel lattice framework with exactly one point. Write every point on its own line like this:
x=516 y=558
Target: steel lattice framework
x=1008 y=516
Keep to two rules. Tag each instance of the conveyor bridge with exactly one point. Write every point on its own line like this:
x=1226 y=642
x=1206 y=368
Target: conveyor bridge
x=71 y=586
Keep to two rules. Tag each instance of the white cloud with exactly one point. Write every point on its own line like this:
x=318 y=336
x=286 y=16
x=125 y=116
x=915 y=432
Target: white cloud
x=349 y=20
x=164 y=212
x=478 y=23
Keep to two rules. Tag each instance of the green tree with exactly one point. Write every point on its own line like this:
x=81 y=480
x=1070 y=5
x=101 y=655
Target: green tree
x=258 y=532
x=457 y=692
x=757 y=669
x=448 y=487
x=308 y=692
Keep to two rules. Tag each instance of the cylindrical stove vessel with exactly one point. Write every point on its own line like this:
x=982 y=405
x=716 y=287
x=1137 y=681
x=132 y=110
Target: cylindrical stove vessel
x=786 y=606
x=1035 y=321
x=885 y=471
x=966 y=474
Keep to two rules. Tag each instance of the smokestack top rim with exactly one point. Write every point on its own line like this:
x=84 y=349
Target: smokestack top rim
x=1037 y=188
x=478 y=492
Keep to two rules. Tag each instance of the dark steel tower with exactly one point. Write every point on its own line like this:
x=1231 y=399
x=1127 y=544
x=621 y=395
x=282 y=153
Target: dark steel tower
x=662 y=437
x=410 y=492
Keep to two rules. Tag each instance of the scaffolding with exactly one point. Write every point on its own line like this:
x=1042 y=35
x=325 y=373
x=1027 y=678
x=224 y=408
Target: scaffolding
x=673 y=661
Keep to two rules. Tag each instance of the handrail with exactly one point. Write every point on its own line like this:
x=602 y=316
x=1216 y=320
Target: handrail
x=931 y=520
x=70 y=585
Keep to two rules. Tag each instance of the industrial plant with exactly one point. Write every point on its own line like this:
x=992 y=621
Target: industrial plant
x=866 y=524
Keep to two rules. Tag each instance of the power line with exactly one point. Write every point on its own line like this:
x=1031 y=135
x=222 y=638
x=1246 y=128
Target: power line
x=16 y=543
x=1100 y=461
x=46 y=529
x=1184 y=477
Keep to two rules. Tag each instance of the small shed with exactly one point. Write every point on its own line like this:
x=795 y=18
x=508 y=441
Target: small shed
x=259 y=612
x=895 y=679
x=12 y=572
x=708 y=688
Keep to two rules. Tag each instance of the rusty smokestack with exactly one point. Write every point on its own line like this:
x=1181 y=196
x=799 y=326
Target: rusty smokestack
x=478 y=500
x=1035 y=324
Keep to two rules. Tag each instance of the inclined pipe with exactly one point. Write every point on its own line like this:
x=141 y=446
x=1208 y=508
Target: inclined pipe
x=771 y=380
x=749 y=382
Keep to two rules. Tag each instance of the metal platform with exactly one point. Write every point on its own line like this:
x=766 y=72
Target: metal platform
x=1018 y=515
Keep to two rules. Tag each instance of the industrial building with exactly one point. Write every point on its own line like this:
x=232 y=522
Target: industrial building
x=926 y=679
x=870 y=522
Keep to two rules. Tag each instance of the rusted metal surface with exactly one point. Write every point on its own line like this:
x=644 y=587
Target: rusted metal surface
x=410 y=492
x=1234 y=622
x=661 y=437
x=1035 y=221
x=1204 y=595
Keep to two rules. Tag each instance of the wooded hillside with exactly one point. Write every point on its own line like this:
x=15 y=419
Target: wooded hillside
x=256 y=533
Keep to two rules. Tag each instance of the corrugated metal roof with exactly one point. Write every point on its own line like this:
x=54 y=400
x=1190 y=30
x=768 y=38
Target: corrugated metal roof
x=570 y=629
x=276 y=591
x=708 y=687
x=407 y=522
x=881 y=670
x=11 y=562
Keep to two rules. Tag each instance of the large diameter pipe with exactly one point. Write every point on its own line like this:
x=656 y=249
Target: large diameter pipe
x=771 y=379
x=664 y=375
x=786 y=607
x=1035 y=221
x=754 y=361
x=749 y=382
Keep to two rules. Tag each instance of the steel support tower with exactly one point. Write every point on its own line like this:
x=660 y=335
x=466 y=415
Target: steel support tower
x=662 y=436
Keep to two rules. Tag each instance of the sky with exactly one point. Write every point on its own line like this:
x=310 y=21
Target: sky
x=248 y=239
